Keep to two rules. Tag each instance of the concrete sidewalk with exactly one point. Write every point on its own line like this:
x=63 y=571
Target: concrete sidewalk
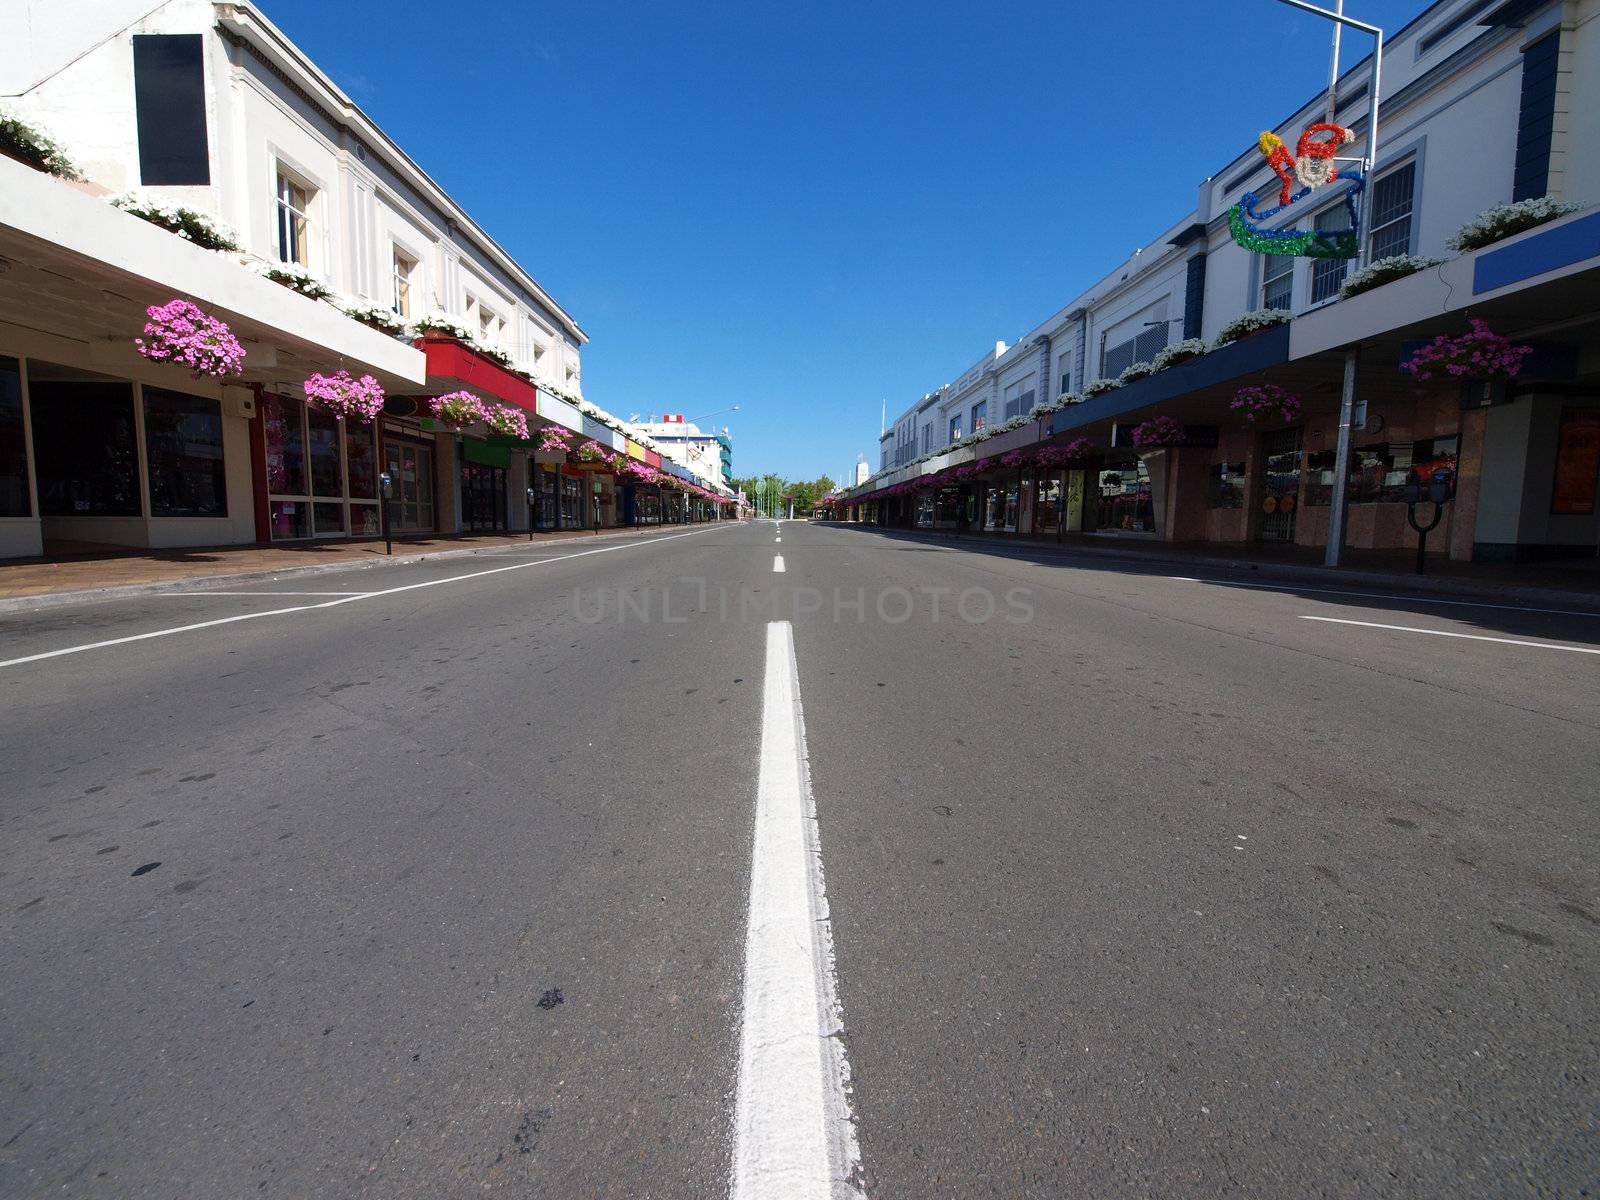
x=1574 y=583
x=39 y=584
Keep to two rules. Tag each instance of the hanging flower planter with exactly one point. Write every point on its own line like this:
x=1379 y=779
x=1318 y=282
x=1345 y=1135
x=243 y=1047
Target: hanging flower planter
x=178 y=332
x=1076 y=451
x=1158 y=433
x=1480 y=354
x=344 y=397
x=590 y=452
x=1266 y=402
x=505 y=421
x=457 y=410
x=554 y=440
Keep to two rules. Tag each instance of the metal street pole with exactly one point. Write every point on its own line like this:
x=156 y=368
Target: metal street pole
x=1347 y=397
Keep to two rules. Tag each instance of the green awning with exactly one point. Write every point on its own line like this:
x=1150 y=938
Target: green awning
x=476 y=451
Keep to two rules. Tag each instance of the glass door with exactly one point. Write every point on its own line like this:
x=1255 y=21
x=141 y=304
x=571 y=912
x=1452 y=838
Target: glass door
x=483 y=498
x=410 y=466
x=1280 y=493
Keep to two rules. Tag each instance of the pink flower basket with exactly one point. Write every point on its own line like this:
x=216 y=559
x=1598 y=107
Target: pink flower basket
x=178 y=332
x=1481 y=354
x=361 y=399
x=457 y=410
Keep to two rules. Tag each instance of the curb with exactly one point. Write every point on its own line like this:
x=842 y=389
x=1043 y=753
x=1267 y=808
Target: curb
x=10 y=604
x=1292 y=572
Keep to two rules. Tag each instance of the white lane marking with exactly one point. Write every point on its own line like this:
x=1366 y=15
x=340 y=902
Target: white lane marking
x=1471 y=637
x=793 y=1135
x=191 y=595
x=1289 y=587
x=777 y=539
x=777 y=565
x=353 y=599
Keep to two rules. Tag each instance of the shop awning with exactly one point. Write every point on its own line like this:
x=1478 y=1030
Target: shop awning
x=452 y=365
x=84 y=272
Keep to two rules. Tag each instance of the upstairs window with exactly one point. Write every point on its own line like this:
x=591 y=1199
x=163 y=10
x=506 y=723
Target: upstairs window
x=1277 y=281
x=402 y=271
x=1392 y=202
x=1064 y=374
x=169 y=99
x=980 y=415
x=294 y=222
x=955 y=429
x=1327 y=274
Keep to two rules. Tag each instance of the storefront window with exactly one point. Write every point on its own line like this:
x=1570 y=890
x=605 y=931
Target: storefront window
x=286 y=445
x=410 y=467
x=1047 y=512
x=649 y=508
x=1123 y=499
x=1379 y=473
x=947 y=508
x=361 y=460
x=549 y=498
x=326 y=477
x=1226 y=489
x=14 y=500
x=924 y=510
x=84 y=446
x=183 y=450
x=571 y=502
x=1577 y=462
x=322 y=475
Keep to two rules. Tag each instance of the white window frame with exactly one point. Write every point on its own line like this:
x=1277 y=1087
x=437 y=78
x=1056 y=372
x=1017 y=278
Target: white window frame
x=399 y=252
x=1410 y=217
x=285 y=173
x=1286 y=272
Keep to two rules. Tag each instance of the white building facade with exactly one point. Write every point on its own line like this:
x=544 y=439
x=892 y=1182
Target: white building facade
x=210 y=107
x=1484 y=103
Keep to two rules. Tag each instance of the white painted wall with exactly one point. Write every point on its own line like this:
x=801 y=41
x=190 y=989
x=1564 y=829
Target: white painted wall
x=69 y=68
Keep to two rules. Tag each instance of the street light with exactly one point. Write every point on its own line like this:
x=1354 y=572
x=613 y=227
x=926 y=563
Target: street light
x=714 y=413
x=1347 y=398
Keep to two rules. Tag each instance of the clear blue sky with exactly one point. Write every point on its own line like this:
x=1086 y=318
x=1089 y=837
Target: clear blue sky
x=806 y=209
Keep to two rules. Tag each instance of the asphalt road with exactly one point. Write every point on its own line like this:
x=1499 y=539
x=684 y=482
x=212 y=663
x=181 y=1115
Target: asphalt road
x=1138 y=886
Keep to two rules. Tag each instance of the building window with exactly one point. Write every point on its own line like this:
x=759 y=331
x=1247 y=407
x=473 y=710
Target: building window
x=488 y=327
x=1277 y=281
x=183 y=450
x=1536 y=118
x=1142 y=347
x=955 y=429
x=14 y=501
x=1391 y=213
x=169 y=98
x=1327 y=274
x=294 y=222
x=84 y=445
x=1226 y=489
x=320 y=473
x=927 y=438
x=403 y=271
x=1064 y=374
x=1013 y=400
x=980 y=415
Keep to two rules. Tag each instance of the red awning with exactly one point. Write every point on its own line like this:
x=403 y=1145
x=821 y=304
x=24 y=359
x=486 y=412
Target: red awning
x=452 y=365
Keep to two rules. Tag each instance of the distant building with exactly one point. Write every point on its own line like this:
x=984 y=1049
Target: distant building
x=862 y=471
x=708 y=455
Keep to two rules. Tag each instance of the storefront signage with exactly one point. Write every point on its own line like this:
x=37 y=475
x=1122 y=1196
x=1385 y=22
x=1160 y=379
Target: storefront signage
x=1203 y=436
x=400 y=406
x=1577 y=462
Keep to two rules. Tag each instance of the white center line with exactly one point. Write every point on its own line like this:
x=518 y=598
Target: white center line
x=1396 y=599
x=1471 y=637
x=777 y=539
x=191 y=595
x=355 y=599
x=793 y=1135
x=777 y=565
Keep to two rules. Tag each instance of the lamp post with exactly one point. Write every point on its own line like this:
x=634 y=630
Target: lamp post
x=1347 y=396
x=386 y=486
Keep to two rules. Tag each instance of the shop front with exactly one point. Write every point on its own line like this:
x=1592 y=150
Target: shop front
x=485 y=491
x=410 y=456
x=321 y=472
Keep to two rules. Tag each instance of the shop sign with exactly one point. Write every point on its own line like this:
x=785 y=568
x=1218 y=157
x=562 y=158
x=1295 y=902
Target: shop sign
x=1202 y=436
